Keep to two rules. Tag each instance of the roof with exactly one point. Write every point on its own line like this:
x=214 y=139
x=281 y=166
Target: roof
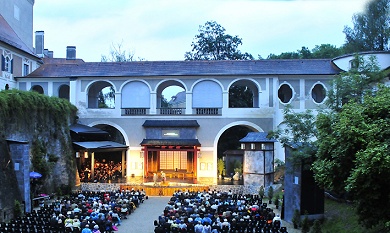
x=170 y=123
x=170 y=142
x=9 y=36
x=84 y=129
x=100 y=146
x=257 y=137
x=187 y=68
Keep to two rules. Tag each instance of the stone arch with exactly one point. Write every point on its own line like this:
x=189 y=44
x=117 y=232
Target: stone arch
x=38 y=88
x=160 y=87
x=251 y=126
x=135 y=94
x=116 y=126
x=64 y=91
x=93 y=90
x=252 y=85
x=207 y=93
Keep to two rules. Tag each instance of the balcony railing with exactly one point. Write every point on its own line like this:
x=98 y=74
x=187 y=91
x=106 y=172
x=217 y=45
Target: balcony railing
x=134 y=111
x=208 y=111
x=171 y=111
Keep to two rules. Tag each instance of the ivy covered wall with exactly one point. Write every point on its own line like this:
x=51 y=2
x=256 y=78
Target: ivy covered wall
x=43 y=122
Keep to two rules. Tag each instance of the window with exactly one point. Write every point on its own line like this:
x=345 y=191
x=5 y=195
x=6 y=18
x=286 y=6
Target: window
x=253 y=146
x=318 y=93
x=170 y=160
x=285 y=93
x=6 y=63
x=26 y=69
x=169 y=133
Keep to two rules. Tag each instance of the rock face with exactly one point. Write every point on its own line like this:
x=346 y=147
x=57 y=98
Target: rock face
x=42 y=123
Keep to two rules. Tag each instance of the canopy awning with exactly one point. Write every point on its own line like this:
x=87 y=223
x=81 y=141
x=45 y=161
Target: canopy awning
x=170 y=142
x=99 y=146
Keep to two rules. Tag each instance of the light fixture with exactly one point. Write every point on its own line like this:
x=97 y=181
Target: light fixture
x=86 y=154
x=77 y=154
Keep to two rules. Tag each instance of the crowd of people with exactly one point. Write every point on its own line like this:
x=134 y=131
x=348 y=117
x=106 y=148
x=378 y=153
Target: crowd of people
x=217 y=212
x=103 y=171
x=82 y=212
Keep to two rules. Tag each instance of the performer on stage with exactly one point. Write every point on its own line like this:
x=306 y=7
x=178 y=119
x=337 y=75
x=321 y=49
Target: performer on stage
x=163 y=177
x=155 y=178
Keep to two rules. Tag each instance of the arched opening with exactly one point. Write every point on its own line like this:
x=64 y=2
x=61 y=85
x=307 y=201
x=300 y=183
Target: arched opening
x=285 y=93
x=230 y=154
x=37 y=88
x=104 y=162
x=243 y=94
x=63 y=92
x=171 y=98
x=318 y=93
x=101 y=94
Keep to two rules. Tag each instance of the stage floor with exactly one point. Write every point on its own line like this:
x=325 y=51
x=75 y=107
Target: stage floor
x=149 y=180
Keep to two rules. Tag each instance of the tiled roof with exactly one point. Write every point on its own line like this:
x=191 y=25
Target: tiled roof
x=100 y=146
x=170 y=142
x=187 y=68
x=170 y=123
x=8 y=36
x=257 y=137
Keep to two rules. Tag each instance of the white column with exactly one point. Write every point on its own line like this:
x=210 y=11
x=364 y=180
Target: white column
x=153 y=103
x=73 y=91
x=188 y=103
x=302 y=95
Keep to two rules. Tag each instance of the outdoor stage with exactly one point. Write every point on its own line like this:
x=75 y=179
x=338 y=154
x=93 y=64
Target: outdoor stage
x=166 y=188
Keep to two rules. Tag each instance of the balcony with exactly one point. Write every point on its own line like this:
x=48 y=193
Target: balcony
x=208 y=111
x=171 y=111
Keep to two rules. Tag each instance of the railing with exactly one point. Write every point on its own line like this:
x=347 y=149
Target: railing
x=134 y=111
x=208 y=111
x=171 y=111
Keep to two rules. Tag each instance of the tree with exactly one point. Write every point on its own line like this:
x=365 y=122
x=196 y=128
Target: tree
x=353 y=142
x=117 y=54
x=213 y=44
x=371 y=29
x=318 y=52
x=240 y=97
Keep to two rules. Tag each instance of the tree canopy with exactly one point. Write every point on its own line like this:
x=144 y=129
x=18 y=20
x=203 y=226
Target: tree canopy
x=371 y=29
x=318 y=52
x=349 y=145
x=212 y=43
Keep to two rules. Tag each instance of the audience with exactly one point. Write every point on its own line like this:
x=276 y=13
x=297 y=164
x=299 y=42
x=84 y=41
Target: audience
x=215 y=212
x=81 y=212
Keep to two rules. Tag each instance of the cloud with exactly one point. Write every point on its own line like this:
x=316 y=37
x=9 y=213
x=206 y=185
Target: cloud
x=164 y=30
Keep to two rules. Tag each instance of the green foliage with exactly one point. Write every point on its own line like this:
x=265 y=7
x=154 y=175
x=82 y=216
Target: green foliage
x=261 y=191
x=296 y=219
x=17 y=209
x=316 y=228
x=353 y=143
x=240 y=97
x=352 y=85
x=213 y=44
x=221 y=166
x=371 y=29
x=270 y=192
x=305 y=224
x=237 y=166
x=318 y=52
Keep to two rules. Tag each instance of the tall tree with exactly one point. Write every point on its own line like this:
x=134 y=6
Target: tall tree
x=353 y=142
x=371 y=29
x=213 y=44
